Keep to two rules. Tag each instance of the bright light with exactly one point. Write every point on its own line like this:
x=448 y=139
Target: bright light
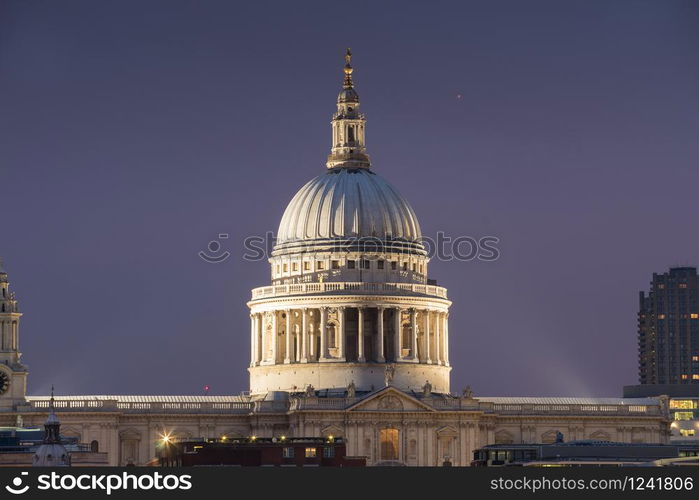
x=166 y=437
x=283 y=438
x=252 y=438
x=223 y=438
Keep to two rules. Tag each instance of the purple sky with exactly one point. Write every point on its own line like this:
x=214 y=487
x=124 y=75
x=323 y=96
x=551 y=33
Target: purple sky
x=132 y=133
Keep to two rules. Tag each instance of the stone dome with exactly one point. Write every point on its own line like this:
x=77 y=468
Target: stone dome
x=344 y=206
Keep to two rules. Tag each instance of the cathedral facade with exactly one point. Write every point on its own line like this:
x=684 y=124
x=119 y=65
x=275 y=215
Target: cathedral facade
x=350 y=338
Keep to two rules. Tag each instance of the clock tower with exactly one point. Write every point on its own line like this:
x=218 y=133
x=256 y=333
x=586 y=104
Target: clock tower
x=13 y=374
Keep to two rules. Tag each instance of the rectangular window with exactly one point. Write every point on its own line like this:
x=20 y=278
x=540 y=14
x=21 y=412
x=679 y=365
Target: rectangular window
x=336 y=264
x=295 y=266
x=366 y=264
x=414 y=267
x=683 y=285
x=694 y=316
x=286 y=267
x=686 y=432
x=306 y=266
x=661 y=316
x=288 y=452
x=310 y=452
x=684 y=415
x=277 y=268
x=695 y=376
x=683 y=404
x=695 y=358
x=320 y=265
x=685 y=376
x=405 y=266
x=350 y=264
x=394 y=265
x=379 y=264
x=329 y=452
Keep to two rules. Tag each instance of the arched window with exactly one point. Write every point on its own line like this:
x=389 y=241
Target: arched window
x=94 y=446
x=388 y=439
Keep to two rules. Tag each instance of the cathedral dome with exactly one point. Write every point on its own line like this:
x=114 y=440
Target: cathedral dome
x=345 y=206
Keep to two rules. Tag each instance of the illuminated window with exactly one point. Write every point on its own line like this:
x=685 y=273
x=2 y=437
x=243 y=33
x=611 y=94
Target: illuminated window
x=683 y=285
x=661 y=286
x=310 y=452
x=661 y=316
x=685 y=376
x=686 y=432
x=684 y=415
x=683 y=404
x=694 y=316
x=288 y=452
x=306 y=266
x=389 y=444
x=695 y=358
x=320 y=265
x=695 y=376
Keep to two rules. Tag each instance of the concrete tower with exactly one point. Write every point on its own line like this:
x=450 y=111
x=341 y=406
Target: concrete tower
x=350 y=306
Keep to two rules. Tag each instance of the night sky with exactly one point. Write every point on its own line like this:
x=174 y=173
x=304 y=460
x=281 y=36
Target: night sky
x=132 y=133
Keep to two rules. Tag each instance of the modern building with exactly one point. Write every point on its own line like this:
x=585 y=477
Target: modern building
x=668 y=328
x=259 y=452
x=350 y=339
x=683 y=404
x=583 y=453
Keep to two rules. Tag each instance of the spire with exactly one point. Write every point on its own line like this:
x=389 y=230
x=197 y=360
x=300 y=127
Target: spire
x=3 y=273
x=52 y=427
x=348 y=140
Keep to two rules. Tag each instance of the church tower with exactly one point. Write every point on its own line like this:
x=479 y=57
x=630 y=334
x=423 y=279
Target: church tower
x=350 y=306
x=13 y=374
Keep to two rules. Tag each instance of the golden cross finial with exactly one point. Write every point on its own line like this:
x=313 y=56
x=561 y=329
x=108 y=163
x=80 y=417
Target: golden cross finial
x=348 y=69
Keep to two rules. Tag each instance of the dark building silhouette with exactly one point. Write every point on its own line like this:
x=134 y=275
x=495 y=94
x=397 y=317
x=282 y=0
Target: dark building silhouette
x=668 y=328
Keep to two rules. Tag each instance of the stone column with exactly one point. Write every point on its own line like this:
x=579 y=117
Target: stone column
x=253 y=341
x=287 y=337
x=379 y=336
x=398 y=345
x=275 y=337
x=323 y=354
x=437 y=338
x=413 y=326
x=446 y=339
x=304 y=336
x=427 y=336
x=311 y=347
x=343 y=338
x=360 y=335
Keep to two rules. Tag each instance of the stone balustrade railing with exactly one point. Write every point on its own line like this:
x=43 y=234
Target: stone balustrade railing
x=320 y=403
x=571 y=409
x=138 y=407
x=339 y=286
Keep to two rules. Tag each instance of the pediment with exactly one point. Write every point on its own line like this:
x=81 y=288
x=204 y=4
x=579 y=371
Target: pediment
x=390 y=399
